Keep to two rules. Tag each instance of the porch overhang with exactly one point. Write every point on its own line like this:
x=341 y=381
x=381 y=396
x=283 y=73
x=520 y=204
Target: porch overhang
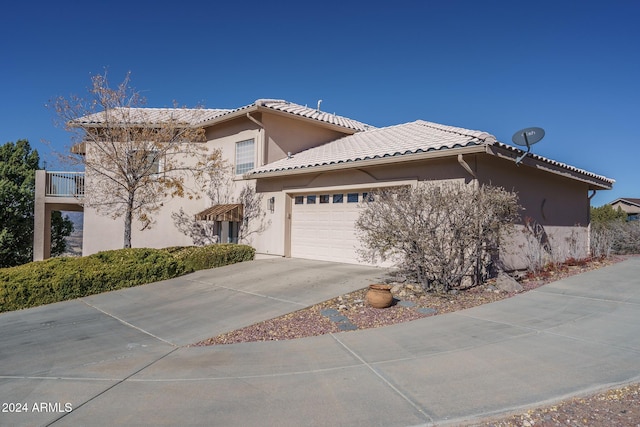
x=227 y=212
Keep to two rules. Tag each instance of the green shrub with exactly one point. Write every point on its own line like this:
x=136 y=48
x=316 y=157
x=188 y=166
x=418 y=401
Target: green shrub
x=60 y=279
x=204 y=257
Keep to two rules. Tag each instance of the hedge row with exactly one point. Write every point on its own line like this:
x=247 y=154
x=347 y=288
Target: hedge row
x=59 y=279
x=202 y=257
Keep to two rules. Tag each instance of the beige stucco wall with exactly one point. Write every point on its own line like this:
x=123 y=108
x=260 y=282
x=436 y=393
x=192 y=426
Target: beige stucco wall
x=103 y=231
x=279 y=135
x=285 y=135
x=557 y=203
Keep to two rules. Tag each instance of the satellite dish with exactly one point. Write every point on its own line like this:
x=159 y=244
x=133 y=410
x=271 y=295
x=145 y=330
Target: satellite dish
x=527 y=137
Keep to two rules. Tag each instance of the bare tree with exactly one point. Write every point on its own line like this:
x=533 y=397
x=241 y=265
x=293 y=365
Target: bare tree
x=220 y=192
x=253 y=221
x=134 y=158
x=439 y=234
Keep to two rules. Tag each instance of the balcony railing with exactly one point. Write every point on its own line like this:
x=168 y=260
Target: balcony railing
x=65 y=184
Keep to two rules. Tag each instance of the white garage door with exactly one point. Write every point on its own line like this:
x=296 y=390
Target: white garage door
x=322 y=226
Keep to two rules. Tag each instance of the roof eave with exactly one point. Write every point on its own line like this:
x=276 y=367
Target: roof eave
x=320 y=123
x=400 y=158
x=594 y=182
x=627 y=201
x=242 y=112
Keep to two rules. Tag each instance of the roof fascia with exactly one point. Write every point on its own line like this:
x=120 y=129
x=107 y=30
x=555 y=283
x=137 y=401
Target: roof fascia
x=242 y=112
x=625 y=201
x=594 y=182
x=262 y=109
x=93 y=125
x=319 y=123
x=403 y=158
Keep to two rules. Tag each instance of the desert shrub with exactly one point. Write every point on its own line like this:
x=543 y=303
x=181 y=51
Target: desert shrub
x=627 y=238
x=211 y=256
x=439 y=234
x=614 y=236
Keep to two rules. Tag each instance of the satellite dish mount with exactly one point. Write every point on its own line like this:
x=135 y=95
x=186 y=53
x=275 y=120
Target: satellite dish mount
x=527 y=137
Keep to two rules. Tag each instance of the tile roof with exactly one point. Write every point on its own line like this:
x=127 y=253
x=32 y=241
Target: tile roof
x=281 y=105
x=204 y=117
x=399 y=140
x=631 y=201
x=556 y=163
x=191 y=116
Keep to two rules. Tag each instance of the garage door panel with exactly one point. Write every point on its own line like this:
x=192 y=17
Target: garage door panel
x=324 y=231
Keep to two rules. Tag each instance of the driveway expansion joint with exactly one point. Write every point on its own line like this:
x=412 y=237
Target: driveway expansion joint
x=395 y=389
x=124 y=322
x=112 y=386
x=248 y=293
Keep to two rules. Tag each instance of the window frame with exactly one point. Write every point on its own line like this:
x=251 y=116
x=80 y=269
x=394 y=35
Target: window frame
x=242 y=155
x=154 y=158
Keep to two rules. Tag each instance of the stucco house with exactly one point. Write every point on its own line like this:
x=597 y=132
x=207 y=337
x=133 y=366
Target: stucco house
x=313 y=169
x=630 y=206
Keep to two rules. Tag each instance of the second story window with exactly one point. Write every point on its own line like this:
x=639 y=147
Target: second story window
x=244 y=156
x=144 y=162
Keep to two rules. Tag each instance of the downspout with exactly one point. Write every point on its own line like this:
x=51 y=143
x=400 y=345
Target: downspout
x=466 y=167
x=589 y=227
x=263 y=157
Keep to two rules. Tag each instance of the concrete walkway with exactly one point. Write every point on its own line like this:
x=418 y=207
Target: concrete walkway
x=576 y=335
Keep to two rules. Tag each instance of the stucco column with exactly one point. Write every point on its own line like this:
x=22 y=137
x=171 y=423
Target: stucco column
x=41 y=220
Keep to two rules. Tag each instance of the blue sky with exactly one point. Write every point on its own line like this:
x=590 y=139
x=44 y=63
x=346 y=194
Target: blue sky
x=570 y=67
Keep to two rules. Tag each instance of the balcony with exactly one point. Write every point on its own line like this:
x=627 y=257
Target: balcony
x=64 y=184
x=55 y=191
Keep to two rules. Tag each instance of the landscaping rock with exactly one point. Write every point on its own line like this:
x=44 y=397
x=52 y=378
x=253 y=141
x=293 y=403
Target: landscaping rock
x=506 y=283
x=407 y=303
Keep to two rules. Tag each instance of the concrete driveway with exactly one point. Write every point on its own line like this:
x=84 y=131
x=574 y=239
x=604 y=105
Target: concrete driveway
x=111 y=365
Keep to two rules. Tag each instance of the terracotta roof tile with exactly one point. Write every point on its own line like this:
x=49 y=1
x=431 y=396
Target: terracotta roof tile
x=304 y=111
x=395 y=141
x=409 y=138
x=189 y=116
x=201 y=116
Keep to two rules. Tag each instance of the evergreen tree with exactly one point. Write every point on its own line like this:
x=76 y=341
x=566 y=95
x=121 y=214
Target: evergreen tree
x=606 y=213
x=18 y=163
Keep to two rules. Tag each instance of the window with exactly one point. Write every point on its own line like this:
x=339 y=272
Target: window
x=352 y=198
x=299 y=200
x=338 y=198
x=144 y=162
x=324 y=198
x=311 y=200
x=244 y=156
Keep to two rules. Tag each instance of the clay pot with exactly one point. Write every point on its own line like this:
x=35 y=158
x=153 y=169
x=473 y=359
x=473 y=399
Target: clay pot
x=379 y=296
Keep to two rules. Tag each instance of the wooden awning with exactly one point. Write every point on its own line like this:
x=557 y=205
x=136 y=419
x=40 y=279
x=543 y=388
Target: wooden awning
x=79 y=148
x=231 y=212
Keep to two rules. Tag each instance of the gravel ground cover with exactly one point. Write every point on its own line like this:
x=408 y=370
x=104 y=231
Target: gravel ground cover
x=616 y=407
